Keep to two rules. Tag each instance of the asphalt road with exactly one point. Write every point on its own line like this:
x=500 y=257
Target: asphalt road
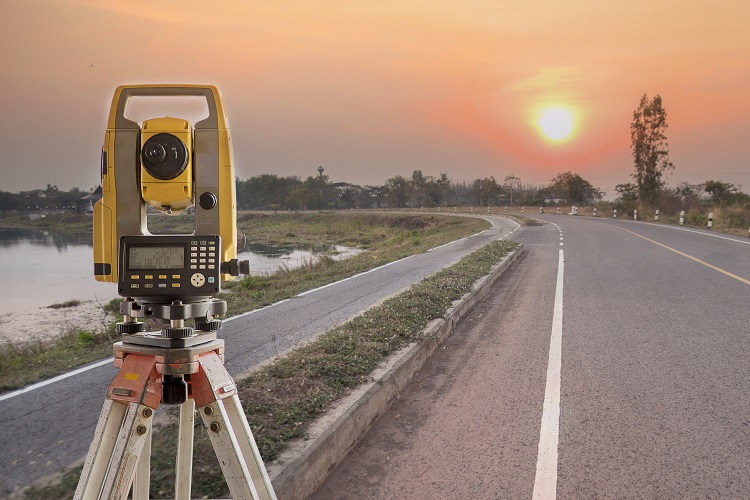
x=50 y=427
x=642 y=381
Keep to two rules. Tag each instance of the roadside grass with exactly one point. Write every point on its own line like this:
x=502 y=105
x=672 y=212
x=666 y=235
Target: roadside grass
x=387 y=237
x=28 y=362
x=282 y=399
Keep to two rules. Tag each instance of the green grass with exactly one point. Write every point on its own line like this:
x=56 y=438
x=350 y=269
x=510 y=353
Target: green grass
x=30 y=362
x=282 y=399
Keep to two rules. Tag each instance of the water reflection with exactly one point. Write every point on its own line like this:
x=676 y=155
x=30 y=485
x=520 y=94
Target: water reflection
x=267 y=259
x=40 y=268
x=61 y=241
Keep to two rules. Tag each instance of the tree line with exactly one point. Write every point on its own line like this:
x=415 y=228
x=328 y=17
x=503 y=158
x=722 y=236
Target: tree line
x=273 y=192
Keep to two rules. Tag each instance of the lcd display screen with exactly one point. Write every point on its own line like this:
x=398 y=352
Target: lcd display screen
x=170 y=257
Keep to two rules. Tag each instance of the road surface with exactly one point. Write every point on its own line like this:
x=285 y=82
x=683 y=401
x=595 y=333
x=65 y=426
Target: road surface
x=612 y=361
x=51 y=426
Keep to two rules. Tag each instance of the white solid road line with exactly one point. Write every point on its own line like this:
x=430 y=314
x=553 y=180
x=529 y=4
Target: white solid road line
x=56 y=379
x=545 y=483
x=735 y=239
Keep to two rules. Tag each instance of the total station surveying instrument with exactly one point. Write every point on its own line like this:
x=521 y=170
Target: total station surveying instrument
x=173 y=167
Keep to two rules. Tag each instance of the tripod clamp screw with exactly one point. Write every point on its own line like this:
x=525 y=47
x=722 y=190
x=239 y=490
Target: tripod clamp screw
x=215 y=427
x=142 y=429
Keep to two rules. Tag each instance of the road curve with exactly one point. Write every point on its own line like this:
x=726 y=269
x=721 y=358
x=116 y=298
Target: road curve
x=51 y=426
x=649 y=399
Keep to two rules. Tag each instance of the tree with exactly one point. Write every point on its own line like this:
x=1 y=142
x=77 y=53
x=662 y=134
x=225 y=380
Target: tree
x=574 y=188
x=721 y=192
x=483 y=191
x=397 y=189
x=510 y=183
x=649 y=147
x=628 y=192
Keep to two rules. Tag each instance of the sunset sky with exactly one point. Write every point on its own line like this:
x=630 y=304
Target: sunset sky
x=369 y=90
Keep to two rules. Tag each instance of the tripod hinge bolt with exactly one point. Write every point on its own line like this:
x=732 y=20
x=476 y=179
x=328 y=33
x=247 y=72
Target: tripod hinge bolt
x=215 y=426
x=208 y=410
x=147 y=412
x=141 y=429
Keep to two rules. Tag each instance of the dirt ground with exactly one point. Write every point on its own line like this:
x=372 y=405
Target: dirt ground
x=44 y=323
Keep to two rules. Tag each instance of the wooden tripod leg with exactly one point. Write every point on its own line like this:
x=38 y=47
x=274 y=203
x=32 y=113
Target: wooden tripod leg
x=184 y=472
x=215 y=395
x=122 y=430
x=110 y=465
x=100 y=451
x=228 y=451
x=142 y=483
x=250 y=451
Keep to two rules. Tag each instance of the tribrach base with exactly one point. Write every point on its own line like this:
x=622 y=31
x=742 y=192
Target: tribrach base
x=119 y=456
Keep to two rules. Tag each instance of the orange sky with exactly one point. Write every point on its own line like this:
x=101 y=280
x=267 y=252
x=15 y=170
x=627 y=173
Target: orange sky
x=370 y=90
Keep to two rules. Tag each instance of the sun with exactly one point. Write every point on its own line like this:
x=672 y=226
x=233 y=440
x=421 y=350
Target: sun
x=556 y=123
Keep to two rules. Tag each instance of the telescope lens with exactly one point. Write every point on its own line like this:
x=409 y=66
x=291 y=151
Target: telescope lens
x=164 y=156
x=155 y=153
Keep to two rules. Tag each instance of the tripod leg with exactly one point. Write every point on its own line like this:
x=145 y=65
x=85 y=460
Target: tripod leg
x=184 y=476
x=230 y=434
x=143 y=472
x=228 y=451
x=110 y=464
x=100 y=451
x=249 y=449
x=121 y=432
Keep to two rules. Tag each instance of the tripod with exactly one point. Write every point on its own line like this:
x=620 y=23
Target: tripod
x=119 y=456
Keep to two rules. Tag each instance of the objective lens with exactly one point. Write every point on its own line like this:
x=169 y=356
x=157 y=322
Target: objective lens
x=156 y=153
x=164 y=156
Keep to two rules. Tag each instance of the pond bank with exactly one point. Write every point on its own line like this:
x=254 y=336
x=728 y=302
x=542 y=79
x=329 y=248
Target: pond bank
x=45 y=323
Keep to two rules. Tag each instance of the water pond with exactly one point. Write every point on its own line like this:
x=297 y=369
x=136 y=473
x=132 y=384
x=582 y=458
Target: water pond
x=41 y=268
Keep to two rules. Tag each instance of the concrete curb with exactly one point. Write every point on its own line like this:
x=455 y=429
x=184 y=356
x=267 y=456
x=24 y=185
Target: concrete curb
x=306 y=464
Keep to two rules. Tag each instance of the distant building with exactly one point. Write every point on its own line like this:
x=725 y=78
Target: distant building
x=86 y=204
